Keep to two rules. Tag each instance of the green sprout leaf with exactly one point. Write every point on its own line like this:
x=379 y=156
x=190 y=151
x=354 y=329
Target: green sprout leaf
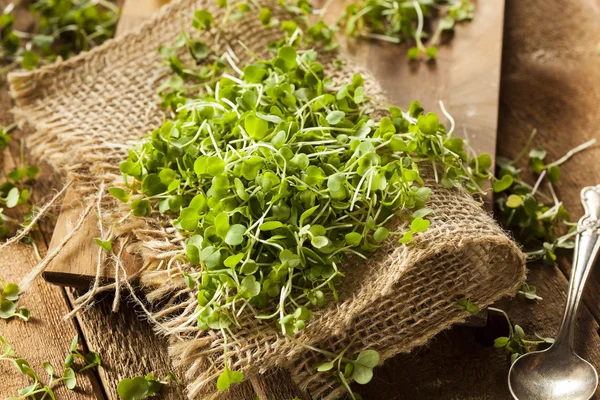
x=133 y=389
x=11 y=291
x=227 y=378
x=202 y=20
x=503 y=184
x=105 y=244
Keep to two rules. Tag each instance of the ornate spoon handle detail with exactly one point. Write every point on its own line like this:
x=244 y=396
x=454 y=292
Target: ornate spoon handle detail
x=587 y=244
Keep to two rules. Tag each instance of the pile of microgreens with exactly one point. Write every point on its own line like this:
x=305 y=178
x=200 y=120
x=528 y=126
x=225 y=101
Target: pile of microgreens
x=68 y=377
x=399 y=21
x=275 y=177
x=9 y=295
x=62 y=28
x=142 y=387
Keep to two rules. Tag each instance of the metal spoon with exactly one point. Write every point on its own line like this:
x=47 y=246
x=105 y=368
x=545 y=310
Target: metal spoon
x=558 y=373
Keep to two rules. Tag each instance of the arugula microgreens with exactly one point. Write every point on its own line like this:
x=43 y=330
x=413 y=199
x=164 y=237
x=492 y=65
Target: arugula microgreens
x=465 y=304
x=63 y=29
x=398 y=21
x=515 y=343
x=9 y=295
x=275 y=177
x=5 y=135
x=537 y=219
x=359 y=367
x=69 y=379
x=141 y=387
x=15 y=191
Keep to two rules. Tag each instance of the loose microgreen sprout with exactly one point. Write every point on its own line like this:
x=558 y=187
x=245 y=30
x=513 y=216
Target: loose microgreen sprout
x=275 y=178
x=142 y=387
x=37 y=390
x=9 y=295
x=529 y=292
x=516 y=344
x=358 y=367
x=466 y=304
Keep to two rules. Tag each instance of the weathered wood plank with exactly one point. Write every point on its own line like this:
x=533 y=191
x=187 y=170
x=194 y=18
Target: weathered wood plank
x=553 y=85
x=46 y=337
x=465 y=74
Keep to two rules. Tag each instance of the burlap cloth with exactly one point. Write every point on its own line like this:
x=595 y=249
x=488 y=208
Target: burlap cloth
x=85 y=113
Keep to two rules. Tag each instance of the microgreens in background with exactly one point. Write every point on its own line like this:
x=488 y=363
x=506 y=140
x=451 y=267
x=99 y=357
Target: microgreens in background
x=5 y=135
x=276 y=177
x=534 y=213
x=9 y=295
x=399 y=21
x=68 y=378
x=63 y=28
x=142 y=387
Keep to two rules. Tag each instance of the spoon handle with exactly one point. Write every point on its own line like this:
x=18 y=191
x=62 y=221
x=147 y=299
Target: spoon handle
x=587 y=244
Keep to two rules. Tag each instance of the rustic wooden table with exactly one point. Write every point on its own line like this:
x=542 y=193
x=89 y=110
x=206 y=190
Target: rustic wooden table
x=550 y=81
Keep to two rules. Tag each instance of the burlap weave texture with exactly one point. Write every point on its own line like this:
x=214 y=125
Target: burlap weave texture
x=85 y=113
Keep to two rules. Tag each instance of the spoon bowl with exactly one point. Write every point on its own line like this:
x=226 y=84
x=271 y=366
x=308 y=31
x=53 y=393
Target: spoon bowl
x=552 y=374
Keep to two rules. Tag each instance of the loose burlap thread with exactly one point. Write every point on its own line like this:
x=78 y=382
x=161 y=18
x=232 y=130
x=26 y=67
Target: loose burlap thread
x=87 y=111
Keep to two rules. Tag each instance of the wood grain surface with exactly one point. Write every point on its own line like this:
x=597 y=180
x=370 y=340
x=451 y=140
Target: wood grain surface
x=46 y=337
x=466 y=76
x=550 y=81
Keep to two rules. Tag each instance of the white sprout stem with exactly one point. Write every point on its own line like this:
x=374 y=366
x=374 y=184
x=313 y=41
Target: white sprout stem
x=538 y=182
x=201 y=104
x=419 y=31
x=321 y=11
x=358 y=188
x=217 y=88
x=379 y=36
x=551 y=211
x=447 y=114
x=553 y=193
x=233 y=64
x=233 y=78
x=212 y=139
x=196 y=136
x=301 y=109
x=297 y=32
x=572 y=152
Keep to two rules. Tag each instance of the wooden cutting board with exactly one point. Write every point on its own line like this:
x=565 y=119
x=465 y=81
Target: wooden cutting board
x=465 y=76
